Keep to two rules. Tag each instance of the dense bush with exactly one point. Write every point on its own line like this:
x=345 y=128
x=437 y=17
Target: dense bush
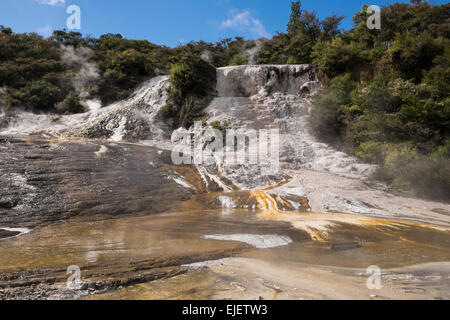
x=405 y=167
x=337 y=57
x=30 y=71
x=36 y=75
x=193 y=83
x=326 y=116
x=238 y=59
x=386 y=97
x=304 y=31
x=124 y=64
x=71 y=104
x=29 y=62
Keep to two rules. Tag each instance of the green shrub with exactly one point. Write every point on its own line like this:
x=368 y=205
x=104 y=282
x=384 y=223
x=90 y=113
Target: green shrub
x=292 y=60
x=193 y=76
x=40 y=95
x=337 y=57
x=193 y=84
x=342 y=86
x=219 y=125
x=71 y=104
x=438 y=79
x=426 y=176
x=444 y=150
x=328 y=109
x=238 y=60
x=372 y=151
x=324 y=118
x=167 y=112
x=412 y=55
x=191 y=110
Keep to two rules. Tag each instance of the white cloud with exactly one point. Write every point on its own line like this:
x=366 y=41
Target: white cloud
x=244 y=22
x=46 y=31
x=51 y=2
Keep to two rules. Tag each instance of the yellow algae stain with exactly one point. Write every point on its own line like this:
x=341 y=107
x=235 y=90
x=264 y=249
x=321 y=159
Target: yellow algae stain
x=318 y=231
x=30 y=143
x=319 y=225
x=279 y=184
x=266 y=202
x=377 y=222
x=284 y=203
x=318 y=236
x=220 y=167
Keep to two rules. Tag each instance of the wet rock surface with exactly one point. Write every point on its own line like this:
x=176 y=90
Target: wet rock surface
x=284 y=108
x=44 y=181
x=134 y=119
x=246 y=81
x=100 y=193
x=8 y=234
x=345 y=246
x=118 y=253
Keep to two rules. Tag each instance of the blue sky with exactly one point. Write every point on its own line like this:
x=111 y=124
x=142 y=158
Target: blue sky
x=171 y=22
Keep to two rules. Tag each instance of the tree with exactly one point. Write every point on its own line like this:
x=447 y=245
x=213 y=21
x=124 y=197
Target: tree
x=294 y=21
x=71 y=104
x=238 y=60
x=330 y=27
x=4 y=30
x=193 y=81
x=337 y=57
x=310 y=26
x=67 y=38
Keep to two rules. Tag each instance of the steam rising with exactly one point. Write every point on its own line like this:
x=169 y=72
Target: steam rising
x=250 y=50
x=87 y=74
x=206 y=55
x=3 y=95
x=252 y=53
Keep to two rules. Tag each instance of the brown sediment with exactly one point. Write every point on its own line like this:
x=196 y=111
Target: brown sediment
x=259 y=279
x=126 y=251
x=441 y=211
x=86 y=199
x=320 y=225
x=110 y=253
x=114 y=244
